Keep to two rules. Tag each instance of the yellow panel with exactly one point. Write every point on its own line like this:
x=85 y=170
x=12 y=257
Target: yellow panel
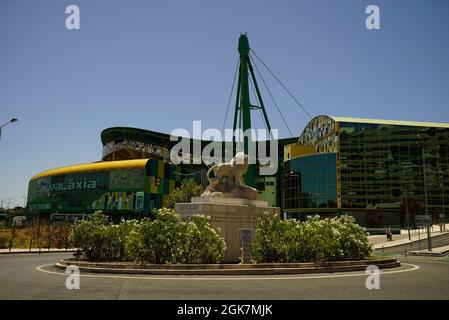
x=160 y=169
x=95 y=166
x=295 y=150
x=337 y=128
x=165 y=200
x=171 y=185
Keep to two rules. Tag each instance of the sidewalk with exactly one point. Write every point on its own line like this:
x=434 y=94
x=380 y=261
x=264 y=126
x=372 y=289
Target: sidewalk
x=34 y=250
x=379 y=241
x=436 y=252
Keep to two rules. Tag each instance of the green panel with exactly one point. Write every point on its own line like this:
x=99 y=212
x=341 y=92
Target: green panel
x=123 y=179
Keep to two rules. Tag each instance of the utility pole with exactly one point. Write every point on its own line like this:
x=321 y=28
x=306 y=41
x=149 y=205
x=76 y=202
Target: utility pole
x=407 y=213
x=442 y=199
x=429 y=239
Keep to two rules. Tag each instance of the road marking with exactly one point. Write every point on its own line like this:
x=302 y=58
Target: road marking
x=220 y=278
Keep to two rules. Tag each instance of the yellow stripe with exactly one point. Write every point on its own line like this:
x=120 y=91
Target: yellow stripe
x=91 y=167
x=160 y=171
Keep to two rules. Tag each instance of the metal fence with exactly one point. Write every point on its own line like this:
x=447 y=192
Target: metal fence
x=37 y=233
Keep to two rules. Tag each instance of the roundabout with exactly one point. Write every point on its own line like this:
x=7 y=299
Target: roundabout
x=32 y=276
x=59 y=270
x=227 y=269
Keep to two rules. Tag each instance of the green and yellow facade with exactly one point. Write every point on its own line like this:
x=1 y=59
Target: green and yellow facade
x=125 y=188
x=133 y=177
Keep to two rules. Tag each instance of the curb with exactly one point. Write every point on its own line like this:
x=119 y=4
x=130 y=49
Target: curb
x=378 y=247
x=425 y=253
x=228 y=269
x=36 y=252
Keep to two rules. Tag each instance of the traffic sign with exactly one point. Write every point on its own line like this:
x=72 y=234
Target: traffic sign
x=423 y=220
x=247 y=234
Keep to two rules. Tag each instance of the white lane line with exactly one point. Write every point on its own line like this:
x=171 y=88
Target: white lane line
x=220 y=278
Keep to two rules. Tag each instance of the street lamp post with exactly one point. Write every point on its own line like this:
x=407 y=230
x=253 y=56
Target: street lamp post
x=429 y=239
x=5 y=124
x=442 y=200
x=407 y=213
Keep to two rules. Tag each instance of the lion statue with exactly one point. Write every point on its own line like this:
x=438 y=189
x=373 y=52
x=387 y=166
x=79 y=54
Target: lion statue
x=226 y=179
x=232 y=171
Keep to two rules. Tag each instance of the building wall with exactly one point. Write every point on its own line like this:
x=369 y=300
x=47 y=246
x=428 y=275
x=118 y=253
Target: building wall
x=310 y=183
x=379 y=166
x=117 y=191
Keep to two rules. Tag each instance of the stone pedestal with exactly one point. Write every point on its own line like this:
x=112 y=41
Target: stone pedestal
x=230 y=215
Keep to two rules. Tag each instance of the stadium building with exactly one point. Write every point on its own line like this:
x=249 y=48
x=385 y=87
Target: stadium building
x=134 y=176
x=363 y=167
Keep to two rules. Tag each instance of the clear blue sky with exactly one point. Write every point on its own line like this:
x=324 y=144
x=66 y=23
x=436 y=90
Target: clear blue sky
x=159 y=65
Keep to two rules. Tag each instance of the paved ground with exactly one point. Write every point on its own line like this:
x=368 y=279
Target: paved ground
x=381 y=240
x=439 y=240
x=420 y=278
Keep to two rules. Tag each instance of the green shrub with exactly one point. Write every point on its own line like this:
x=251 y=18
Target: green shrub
x=199 y=242
x=100 y=240
x=167 y=239
x=189 y=188
x=155 y=241
x=315 y=239
x=353 y=239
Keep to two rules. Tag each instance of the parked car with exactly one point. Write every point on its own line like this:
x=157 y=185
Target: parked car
x=19 y=221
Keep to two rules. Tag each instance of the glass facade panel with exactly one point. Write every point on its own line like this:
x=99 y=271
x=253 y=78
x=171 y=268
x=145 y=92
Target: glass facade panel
x=382 y=165
x=310 y=182
x=378 y=167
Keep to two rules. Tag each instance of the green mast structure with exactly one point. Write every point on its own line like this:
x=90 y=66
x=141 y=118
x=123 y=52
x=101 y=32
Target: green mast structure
x=243 y=106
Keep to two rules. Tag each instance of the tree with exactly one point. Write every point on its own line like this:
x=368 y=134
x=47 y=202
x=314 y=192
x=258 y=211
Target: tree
x=414 y=207
x=16 y=211
x=189 y=188
x=375 y=219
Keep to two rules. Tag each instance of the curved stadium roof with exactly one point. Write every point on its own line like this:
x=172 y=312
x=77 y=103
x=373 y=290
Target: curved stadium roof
x=91 y=167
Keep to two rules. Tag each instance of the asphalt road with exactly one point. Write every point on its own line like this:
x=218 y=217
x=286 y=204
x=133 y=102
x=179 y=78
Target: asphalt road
x=419 y=278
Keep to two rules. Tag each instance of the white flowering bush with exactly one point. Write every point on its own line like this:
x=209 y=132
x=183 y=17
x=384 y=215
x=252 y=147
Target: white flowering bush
x=198 y=242
x=100 y=240
x=165 y=239
x=154 y=241
x=168 y=239
x=315 y=239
